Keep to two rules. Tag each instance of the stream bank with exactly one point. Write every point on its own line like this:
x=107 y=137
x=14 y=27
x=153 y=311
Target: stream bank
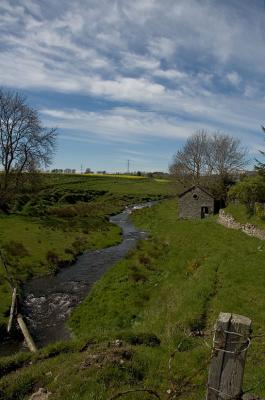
x=49 y=300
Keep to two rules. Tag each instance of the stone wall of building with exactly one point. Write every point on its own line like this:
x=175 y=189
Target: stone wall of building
x=190 y=205
x=229 y=222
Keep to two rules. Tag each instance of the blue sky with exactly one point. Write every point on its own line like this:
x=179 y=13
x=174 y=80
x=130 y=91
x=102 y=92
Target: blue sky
x=125 y=79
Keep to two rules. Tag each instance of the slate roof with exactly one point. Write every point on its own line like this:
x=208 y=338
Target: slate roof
x=194 y=187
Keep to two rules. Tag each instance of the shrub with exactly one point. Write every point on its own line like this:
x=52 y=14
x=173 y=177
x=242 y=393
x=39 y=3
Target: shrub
x=68 y=251
x=138 y=276
x=79 y=244
x=15 y=249
x=260 y=210
x=145 y=260
x=52 y=257
x=248 y=191
x=63 y=212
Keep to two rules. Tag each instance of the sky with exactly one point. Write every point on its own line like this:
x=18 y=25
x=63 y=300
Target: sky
x=125 y=79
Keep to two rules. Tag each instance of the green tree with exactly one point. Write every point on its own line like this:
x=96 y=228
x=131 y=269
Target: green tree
x=248 y=191
x=260 y=166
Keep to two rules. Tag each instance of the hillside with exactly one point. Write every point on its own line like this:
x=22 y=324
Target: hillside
x=66 y=215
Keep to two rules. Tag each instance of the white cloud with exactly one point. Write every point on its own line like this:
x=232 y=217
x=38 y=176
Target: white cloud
x=162 y=47
x=233 y=78
x=133 y=61
x=170 y=74
x=128 y=89
x=122 y=51
x=123 y=125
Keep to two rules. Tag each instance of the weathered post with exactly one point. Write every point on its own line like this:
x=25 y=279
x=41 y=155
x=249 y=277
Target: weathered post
x=230 y=344
x=12 y=309
x=30 y=342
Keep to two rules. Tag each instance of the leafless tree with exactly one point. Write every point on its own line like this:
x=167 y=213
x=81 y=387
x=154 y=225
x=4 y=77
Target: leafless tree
x=227 y=155
x=190 y=162
x=25 y=145
x=205 y=156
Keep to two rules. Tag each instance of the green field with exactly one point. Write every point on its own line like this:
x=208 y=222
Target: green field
x=174 y=283
x=65 y=216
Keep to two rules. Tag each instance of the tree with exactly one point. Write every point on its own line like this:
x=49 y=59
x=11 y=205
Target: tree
x=189 y=163
x=249 y=191
x=210 y=160
x=226 y=155
x=25 y=145
x=260 y=166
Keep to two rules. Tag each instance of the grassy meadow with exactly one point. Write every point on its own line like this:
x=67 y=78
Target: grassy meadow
x=68 y=214
x=172 y=285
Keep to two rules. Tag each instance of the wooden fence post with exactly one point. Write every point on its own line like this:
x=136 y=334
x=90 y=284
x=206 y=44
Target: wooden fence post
x=230 y=344
x=30 y=342
x=12 y=309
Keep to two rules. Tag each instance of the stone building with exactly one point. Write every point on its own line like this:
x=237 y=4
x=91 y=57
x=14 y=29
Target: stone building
x=196 y=202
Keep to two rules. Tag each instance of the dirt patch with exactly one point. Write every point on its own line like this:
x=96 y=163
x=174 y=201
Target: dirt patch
x=108 y=356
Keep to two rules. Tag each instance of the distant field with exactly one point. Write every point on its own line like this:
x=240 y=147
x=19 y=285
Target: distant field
x=116 y=176
x=67 y=215
x=174 y=283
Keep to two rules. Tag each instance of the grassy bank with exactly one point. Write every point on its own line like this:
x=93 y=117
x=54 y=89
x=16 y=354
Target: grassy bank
x=239 y=212
x=173 y=284
x=65 y=216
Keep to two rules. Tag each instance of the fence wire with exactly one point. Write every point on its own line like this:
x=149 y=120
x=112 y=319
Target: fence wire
x=178 y=389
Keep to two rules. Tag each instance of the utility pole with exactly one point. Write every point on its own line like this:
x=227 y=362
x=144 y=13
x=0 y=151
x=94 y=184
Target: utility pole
x=128 y=166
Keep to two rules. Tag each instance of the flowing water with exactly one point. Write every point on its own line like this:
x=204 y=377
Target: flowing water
x=49 y=300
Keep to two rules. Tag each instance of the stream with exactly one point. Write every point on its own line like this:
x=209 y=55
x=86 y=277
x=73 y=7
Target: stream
x=49 y=300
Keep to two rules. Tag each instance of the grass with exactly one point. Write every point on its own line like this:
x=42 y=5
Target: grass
x=174 y=283
x=67 y=215
x=239 y=212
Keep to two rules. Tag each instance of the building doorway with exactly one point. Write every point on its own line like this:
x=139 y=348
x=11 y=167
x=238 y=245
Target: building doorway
x=204 y=212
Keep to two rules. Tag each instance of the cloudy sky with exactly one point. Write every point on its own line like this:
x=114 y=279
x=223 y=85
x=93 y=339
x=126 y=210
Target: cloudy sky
x=125 y=79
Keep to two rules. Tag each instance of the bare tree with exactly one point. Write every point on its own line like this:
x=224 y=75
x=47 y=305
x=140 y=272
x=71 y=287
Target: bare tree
x=25 y=145
x=227 y=155
x=190 y=162
x=208 y=158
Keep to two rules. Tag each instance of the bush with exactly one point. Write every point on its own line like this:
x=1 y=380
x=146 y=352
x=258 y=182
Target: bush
x=52 y=257
x=145 y=260
x=249 y=191
x=68 y=251
x=63 y=212
x=260 y=210
x=15 y=249
x=137 y=275
x=79 y=244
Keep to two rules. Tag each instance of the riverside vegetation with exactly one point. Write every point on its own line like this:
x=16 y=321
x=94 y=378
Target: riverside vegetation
x=64 y=216
x=165 y=292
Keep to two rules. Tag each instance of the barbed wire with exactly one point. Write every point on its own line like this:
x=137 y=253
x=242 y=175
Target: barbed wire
x=178 y=389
